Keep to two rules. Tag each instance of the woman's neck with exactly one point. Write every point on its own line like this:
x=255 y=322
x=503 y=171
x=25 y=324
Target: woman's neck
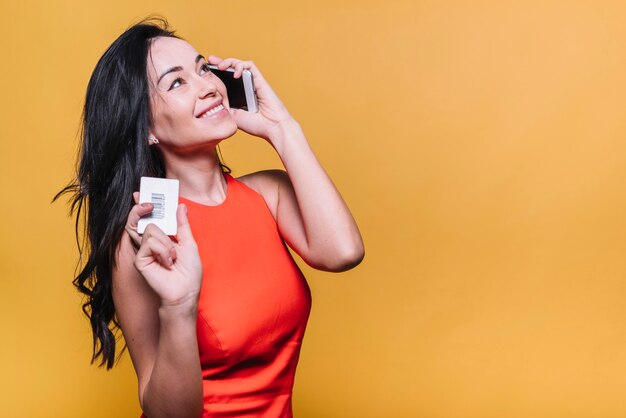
x=200 y=176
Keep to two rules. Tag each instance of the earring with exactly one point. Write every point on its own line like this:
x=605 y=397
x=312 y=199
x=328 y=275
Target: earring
x=152 y=140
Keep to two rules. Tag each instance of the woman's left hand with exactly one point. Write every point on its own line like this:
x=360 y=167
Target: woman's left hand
x=309 y=211
x=272 y=112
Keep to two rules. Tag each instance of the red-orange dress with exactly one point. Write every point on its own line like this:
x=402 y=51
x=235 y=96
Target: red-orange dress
x=253 y=308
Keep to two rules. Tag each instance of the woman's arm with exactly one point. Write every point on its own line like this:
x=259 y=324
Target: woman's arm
x=311 y=214
x=309 y=210
x=155 y=291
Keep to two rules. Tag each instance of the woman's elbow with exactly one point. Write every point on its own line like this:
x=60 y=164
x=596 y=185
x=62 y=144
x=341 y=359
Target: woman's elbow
x=345 y=259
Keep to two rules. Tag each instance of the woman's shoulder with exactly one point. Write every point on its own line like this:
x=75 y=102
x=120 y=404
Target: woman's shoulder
x=124 y=271
x=267 y=183
x=263 y=180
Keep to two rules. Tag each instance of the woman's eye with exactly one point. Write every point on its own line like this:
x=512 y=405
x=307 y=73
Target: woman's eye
x=176 y=83
x=205 y=68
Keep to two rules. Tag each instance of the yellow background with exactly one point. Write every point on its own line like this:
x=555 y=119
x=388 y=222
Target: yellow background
x=481 y=146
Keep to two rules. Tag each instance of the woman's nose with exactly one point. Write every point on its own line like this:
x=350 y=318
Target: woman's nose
x=206 y=87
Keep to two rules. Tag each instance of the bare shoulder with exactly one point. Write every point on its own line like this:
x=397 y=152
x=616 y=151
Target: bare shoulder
x=125 y=276
x=267 y=183
x=261 y=181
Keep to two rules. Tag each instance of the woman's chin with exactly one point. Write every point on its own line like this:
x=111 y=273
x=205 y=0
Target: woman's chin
x=225 y=129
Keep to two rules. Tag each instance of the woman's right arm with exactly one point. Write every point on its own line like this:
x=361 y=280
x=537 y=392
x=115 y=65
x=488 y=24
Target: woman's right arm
x=155 y=290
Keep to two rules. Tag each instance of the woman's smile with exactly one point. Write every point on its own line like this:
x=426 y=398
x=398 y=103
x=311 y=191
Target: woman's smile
x=212 y=110
x=185 y=87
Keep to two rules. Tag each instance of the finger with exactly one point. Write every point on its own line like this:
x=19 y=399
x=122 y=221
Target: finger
x=239 y=116
x=136 y=197
x=224 y=64
x=153 y=231
x=137 y=212
x=228 y=62
x=251 y=66
x=184 y=234
x=214 y=59
x=239 y=66
x=152 y=250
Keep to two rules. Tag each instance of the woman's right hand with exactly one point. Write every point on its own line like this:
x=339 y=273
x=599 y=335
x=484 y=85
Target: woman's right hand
x=137 y=212
x=171 y=267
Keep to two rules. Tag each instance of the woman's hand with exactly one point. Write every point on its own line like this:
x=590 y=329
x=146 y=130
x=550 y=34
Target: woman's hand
x=171 y=267
x=272 y=113
x=138 y=211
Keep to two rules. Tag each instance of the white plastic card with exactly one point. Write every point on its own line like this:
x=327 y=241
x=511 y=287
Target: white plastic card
x=163 y=194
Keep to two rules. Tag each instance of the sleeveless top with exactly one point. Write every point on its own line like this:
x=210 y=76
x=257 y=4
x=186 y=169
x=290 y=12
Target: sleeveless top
x=253 y=307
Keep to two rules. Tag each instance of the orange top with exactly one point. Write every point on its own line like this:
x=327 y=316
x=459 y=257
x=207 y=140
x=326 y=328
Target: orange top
x=253 y=307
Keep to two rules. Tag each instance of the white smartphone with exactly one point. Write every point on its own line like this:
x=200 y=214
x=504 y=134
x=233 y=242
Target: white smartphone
x=241 y=93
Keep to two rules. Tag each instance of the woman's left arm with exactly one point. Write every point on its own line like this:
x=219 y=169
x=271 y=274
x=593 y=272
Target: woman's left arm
x=309 y=210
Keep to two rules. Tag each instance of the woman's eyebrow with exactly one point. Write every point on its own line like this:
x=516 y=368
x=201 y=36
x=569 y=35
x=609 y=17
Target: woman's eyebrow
x=171 y=70
x=178 y=68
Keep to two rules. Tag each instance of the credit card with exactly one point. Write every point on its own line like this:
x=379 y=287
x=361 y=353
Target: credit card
x=163 y=194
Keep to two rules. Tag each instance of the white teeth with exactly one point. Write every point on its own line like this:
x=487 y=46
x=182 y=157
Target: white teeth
x=212 y=111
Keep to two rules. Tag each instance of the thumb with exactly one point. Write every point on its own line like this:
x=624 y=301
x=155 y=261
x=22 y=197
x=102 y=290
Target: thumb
x=246 y=121
x=239 y=116
x=234 y=113
x=183 y=234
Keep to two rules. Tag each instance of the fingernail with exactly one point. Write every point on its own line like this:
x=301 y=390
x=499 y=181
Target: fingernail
x=146 y=205
x=170 y=261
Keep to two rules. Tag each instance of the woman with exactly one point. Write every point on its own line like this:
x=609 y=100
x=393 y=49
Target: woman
x=214 y=317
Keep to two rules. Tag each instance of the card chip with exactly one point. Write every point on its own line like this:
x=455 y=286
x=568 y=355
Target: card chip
x=158 y=200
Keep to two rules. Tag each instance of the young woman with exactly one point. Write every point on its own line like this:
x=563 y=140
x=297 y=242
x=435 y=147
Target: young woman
x=214 y=317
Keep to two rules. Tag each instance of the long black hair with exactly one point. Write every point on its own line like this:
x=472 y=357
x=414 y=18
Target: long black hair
x=114 y=154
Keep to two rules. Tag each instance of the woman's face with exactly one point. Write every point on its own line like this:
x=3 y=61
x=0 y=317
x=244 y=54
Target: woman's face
x=189 y=103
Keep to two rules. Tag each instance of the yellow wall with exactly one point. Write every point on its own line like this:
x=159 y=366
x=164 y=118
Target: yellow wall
x=481 y=146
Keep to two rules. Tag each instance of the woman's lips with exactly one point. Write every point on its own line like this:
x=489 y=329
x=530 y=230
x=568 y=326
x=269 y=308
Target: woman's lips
x=211 y=111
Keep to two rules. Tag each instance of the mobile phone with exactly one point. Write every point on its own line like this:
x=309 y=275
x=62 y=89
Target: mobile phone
x=240 y=91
